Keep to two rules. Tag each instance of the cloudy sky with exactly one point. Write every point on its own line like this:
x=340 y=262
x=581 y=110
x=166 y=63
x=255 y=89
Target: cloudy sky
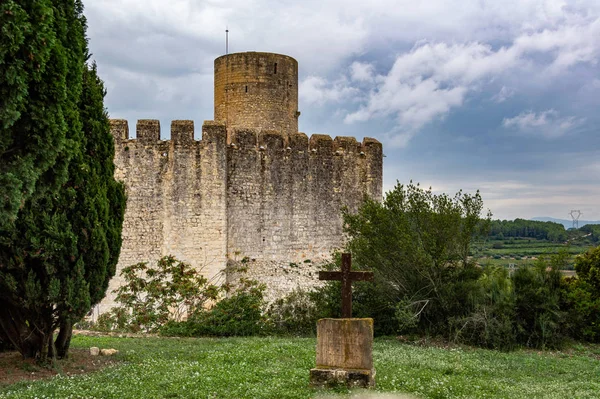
x=500 y=96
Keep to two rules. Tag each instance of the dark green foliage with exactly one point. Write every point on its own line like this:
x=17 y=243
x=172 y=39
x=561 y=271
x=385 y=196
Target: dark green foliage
x=538 y=317
x=297 y=313
x=491 y=323
x=581 y=297
x=172 y=298
x=40 y=43
x=239 y=314
x=417 y=244
x=518 y=310
x=61 y=209
x=550 y=231
x=594 y=231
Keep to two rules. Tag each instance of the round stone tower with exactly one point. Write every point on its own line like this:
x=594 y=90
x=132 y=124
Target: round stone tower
x=257 y=90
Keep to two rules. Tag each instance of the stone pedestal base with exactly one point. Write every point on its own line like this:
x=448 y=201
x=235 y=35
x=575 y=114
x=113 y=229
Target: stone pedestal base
x=350 y=378
x=344 y=353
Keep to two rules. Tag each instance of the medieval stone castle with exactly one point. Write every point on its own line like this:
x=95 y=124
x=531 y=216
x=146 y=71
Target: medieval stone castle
x=252 y=189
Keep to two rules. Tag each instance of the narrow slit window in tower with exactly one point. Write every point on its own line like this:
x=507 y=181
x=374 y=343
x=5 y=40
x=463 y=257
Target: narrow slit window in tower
x=246 y=89
x=275 y=69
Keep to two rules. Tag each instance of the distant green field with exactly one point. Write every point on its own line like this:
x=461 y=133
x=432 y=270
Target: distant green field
x=523 y=251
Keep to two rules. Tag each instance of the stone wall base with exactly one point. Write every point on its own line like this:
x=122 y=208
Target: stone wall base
x=335 y=377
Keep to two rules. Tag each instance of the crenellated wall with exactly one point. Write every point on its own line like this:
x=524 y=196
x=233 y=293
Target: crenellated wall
x=176 y=195
x=270 y=197
x=284 y=199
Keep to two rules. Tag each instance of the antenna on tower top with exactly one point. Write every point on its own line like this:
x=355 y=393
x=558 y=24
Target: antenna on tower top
x=226 y=76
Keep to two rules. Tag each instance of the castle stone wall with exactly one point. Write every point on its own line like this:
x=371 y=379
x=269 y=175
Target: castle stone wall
x=252 y=193
x=176 y=196
x=284 y=200
x=266 y=196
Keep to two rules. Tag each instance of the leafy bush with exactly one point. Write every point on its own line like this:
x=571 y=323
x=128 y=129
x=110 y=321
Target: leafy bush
x=417 y=243
x=581 y=297
x=296 y=313
x=538 y=317
x=490 y=324
x=152 y=296
x=240 y=314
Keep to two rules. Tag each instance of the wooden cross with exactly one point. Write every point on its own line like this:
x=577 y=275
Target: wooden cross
x=346 y=277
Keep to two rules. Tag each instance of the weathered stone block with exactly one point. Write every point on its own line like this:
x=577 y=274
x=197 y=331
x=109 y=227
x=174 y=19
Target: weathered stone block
x=182 y=131
x=344 y=353
x=148 y=131
x=322 y=143
x=119 y=129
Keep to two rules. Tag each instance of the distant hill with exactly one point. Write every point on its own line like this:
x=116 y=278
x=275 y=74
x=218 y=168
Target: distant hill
x=565 y=222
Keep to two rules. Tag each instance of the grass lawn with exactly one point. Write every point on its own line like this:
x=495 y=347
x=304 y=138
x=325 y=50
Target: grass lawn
x=278 y=368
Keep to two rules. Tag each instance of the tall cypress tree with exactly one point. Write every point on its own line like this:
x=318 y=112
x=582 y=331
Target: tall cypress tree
x=95 y=209
x=62 y=210
x=34 y=99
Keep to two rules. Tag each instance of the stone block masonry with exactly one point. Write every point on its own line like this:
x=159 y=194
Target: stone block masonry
x=257 y=90
x=252 y=188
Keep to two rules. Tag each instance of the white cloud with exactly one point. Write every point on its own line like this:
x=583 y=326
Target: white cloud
x=547 y=124
x=504 y=94
x=361 y=72
x=430 y=80
x=316 y=90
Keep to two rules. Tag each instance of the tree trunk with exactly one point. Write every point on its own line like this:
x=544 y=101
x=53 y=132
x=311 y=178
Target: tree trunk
x=63 y=340
x=15 y=329
x=47 y=352
x=5 y=343
x=27 y=339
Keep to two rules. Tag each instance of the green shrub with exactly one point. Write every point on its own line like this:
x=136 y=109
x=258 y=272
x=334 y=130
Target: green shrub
x=417 y=244
x=538 y=317
x=151 y=296
x=295 y=314
x=490 y=324
x=581 y=297
x=582 y=305
x=240 y=314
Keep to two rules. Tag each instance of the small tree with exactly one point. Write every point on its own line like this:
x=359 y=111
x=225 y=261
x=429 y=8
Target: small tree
x=417 y=243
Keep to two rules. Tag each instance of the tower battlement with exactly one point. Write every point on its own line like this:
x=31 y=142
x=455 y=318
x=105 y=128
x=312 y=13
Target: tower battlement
x=148 y=132
x=251 y=187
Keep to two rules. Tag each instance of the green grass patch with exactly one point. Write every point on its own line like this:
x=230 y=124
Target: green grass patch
x=278 y=368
